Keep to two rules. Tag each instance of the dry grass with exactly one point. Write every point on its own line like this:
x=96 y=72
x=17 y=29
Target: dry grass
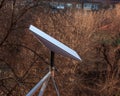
x=94 y=35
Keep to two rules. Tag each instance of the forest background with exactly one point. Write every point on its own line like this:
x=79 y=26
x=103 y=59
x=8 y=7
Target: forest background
x=24 y=60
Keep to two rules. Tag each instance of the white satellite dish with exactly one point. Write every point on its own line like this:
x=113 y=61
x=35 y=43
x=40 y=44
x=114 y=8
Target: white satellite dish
x=54 y=46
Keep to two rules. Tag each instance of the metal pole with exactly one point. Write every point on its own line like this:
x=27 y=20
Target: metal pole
x=43 y=87
x=37 y=86
x=52 y=59
x=52 y=66
x=52 y=72
x=56 y=88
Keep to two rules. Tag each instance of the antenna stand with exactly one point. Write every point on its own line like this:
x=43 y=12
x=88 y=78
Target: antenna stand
x=44 y=81
x=52 y=68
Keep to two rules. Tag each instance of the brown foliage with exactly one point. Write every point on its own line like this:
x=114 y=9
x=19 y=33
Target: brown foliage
x=24 y=60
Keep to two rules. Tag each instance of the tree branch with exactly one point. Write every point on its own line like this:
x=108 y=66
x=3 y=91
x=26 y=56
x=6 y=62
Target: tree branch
x=1 y=4
x=9 y=67
x=31 y=51
x=11 y=25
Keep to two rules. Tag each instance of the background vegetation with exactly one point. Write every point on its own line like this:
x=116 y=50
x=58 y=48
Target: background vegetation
x=24 y=60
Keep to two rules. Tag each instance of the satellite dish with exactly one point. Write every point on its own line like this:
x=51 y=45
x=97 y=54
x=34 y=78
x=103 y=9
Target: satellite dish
x=54 y=46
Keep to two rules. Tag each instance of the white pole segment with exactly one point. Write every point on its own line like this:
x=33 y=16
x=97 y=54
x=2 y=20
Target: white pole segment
x=56 y=88
x=34 y=89
x=43 y=87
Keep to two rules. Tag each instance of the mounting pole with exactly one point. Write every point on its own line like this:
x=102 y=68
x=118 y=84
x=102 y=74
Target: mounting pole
x=52 y=68
x=54 y=46
x=52 y=59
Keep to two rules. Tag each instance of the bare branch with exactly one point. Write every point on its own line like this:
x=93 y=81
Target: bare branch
x=19 y=45
x=9 y=67
x=25 y=10
x=14 y=22
x=11 y=25
x=1 y=3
